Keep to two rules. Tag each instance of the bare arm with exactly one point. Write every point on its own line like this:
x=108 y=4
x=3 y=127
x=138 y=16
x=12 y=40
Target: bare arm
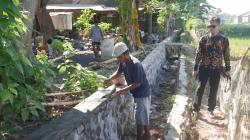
x=115 y=75
x=136 y=78
x=129 y=87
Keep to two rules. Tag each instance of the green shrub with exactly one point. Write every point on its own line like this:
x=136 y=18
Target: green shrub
x=83 y=22
x=105 y=27
x=194 y=23
x=42 y=57
x=166 y=11
x=76 y=77
x=235 y=30
x=62 y=45
x=161 y=18
x=23 y=79
x=57 y=44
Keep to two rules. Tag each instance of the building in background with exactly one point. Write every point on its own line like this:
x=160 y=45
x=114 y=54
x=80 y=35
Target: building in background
x=62 y=11
x=106 y=11
x=62 y=20
x=244 y=18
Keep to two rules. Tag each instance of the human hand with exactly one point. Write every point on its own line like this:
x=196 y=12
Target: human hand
x=194 y=73
x=118 y=92
x=107 y=82
x=226 y=75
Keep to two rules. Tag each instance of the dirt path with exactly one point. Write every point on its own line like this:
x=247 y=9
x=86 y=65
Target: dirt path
x=211 y=128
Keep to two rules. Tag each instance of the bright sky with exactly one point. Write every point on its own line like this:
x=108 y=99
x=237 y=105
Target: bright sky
x=235 y=7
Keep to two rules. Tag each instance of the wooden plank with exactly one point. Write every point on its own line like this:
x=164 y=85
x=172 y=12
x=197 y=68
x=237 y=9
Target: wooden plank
x=62 y=103
x=64 y=93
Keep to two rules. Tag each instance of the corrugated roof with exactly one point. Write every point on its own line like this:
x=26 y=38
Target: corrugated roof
x=96 y=7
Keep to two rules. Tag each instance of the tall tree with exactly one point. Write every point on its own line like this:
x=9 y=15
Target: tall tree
x=194 y=9
x=183 y=9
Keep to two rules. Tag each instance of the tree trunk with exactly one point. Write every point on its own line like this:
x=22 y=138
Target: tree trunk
x=150 y=23
x=30 y=8
x=36 y=9
x=150 y=38
x=44 y=21
x=169 y=25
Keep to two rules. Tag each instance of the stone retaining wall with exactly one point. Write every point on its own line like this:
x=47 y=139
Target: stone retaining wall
x=235 y=100
x=153 y=63
x=99 y=117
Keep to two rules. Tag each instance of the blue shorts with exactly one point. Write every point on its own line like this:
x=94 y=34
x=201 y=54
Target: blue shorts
x=142 y=110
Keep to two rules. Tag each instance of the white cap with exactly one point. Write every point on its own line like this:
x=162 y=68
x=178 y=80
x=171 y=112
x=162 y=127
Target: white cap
x=119 y=49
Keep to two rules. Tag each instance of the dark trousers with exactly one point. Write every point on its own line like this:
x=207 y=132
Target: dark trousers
x=205 y=74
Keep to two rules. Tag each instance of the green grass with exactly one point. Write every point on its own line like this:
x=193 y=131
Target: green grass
x=238 y=46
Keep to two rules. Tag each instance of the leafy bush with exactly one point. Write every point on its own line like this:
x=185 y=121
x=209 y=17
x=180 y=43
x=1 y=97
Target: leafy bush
x=194 y=23
x=83 y=22
x=161 y=18
x=166 y=11
x=76 y=77
x=23 y=80
x=57 y=44
x=61 y=46
x=105 y=27
x=42 y=57
x=236 y=30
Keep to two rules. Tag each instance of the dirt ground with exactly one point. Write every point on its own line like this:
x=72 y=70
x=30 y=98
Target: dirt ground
x=208 y=128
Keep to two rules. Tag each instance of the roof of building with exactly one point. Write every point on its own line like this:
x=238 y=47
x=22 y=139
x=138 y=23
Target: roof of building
x=95 y=7
x=245 y=14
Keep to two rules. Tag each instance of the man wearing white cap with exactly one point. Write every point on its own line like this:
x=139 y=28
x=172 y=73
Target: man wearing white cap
x=137 y=85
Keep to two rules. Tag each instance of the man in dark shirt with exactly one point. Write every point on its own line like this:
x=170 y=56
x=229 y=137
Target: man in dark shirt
x=137 y=84
x=208 y=64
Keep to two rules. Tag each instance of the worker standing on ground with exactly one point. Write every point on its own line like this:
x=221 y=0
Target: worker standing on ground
x=137 y=84
x=97 y=36
x=208 y=64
